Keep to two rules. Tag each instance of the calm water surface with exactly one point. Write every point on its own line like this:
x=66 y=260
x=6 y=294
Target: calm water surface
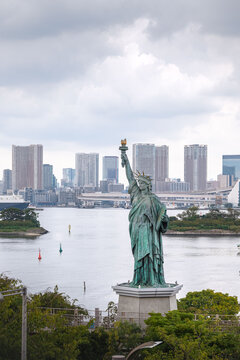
x=98 y=252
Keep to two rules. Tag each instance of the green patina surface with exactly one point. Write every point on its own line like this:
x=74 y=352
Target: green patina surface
x=147 y=222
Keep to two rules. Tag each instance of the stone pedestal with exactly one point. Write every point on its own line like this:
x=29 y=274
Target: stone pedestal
x=135 y=304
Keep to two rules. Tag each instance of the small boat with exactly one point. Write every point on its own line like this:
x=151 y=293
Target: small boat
x=238 y=246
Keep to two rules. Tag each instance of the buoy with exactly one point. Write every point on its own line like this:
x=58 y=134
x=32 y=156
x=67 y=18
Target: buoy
x=39 y=255
x=60 y=250
x=69 y=228
x=84 y=286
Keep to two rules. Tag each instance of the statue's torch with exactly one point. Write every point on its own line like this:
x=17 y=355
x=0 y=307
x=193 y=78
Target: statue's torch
x=123 y=148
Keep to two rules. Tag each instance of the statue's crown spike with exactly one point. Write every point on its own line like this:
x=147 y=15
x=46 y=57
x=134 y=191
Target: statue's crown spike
x=139 y=176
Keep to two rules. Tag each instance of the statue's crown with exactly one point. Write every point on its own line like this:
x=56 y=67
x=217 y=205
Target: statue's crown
x=143 y=177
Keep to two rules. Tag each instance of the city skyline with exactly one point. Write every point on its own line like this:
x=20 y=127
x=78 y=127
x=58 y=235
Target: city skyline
x=163 y=148
x=152 y=72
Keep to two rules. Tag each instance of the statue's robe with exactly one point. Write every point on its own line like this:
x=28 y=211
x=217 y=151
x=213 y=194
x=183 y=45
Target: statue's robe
x=147 y=221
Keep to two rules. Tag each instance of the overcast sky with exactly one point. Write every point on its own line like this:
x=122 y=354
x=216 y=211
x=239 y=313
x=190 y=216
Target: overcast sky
x=77 y=76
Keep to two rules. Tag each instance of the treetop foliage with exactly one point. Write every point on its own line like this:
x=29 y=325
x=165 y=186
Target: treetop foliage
x=50 y=337
x=191 y=220
x=16 y=215
x=209 y=302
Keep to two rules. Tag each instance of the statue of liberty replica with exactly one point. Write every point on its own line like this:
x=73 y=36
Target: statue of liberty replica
x=147 y=222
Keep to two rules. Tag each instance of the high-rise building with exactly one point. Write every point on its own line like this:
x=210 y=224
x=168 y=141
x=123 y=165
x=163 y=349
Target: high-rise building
x=110 y=168
x=7 y=180
x=87 y=169
x=195 y=166
x=161 y=166
x=68 y=177
x=225 y=181
x=144 y=160
x=27 y=167
x=47 y=177
x=153 y=161
x=231 y=165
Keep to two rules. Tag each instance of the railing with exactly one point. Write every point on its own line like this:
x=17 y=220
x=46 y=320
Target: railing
x=79 y=316
x=95 y=318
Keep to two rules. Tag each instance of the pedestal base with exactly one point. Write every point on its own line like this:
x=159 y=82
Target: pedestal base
x=135 y=304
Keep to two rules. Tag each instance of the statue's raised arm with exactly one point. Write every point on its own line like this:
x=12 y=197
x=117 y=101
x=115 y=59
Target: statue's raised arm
x=127 y=166
x=125 y=161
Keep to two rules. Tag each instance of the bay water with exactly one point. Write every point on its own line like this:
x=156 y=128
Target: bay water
x=97 y=251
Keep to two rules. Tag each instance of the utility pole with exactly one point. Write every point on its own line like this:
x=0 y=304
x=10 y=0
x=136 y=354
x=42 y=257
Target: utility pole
x=24 y=324
x=23 y=293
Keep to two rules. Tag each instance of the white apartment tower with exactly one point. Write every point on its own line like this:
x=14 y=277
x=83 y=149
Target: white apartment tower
x=144 y=160
x=195 y=166
x=87 y=169
x=27 y=167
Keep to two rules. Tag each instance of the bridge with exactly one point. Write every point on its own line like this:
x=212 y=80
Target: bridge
x=171 y=199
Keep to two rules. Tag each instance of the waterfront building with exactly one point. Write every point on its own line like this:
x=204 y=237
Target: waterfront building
x=87 y=169
x=104 y=186
x=212 y=185
x=195 y=166
x=68 y=177
x=172 y=186
x=7 y=180
x=47 y=177
x=234 y=195
x=225 y=181
x=68 y=196
x=44 y=198
x=27 y=167
x=110 y=168
x=231 y=166
x=27 y=194
x=115 y=187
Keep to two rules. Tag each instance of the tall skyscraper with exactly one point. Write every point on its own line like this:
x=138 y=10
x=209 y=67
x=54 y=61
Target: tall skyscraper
x=47 y=177
x=7 y=180
x=27 y=167
x=144 y=159
x=68 y=176
x=110 y=168
x=87 y=169
x=231 y=165
x=195 y=166
x=162 y=163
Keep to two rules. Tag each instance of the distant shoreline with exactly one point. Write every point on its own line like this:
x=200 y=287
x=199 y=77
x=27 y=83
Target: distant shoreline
x=33 y=232
x=214 y=232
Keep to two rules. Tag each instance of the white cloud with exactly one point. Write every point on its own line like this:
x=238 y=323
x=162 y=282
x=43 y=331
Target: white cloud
x=77 y=77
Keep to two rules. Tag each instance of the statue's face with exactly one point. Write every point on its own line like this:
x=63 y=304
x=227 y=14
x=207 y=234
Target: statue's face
x=142 y=185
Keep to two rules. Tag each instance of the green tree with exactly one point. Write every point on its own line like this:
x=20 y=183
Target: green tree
x=12 y=217
x=31 y=215
x=233 y=213
x=190 y=214
x=10 y=320
x=12 y=214
x=186 y=338
x=209 y=302
x=52 y=299
x=93 y=345
x=123 y=338
x=49 y=337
